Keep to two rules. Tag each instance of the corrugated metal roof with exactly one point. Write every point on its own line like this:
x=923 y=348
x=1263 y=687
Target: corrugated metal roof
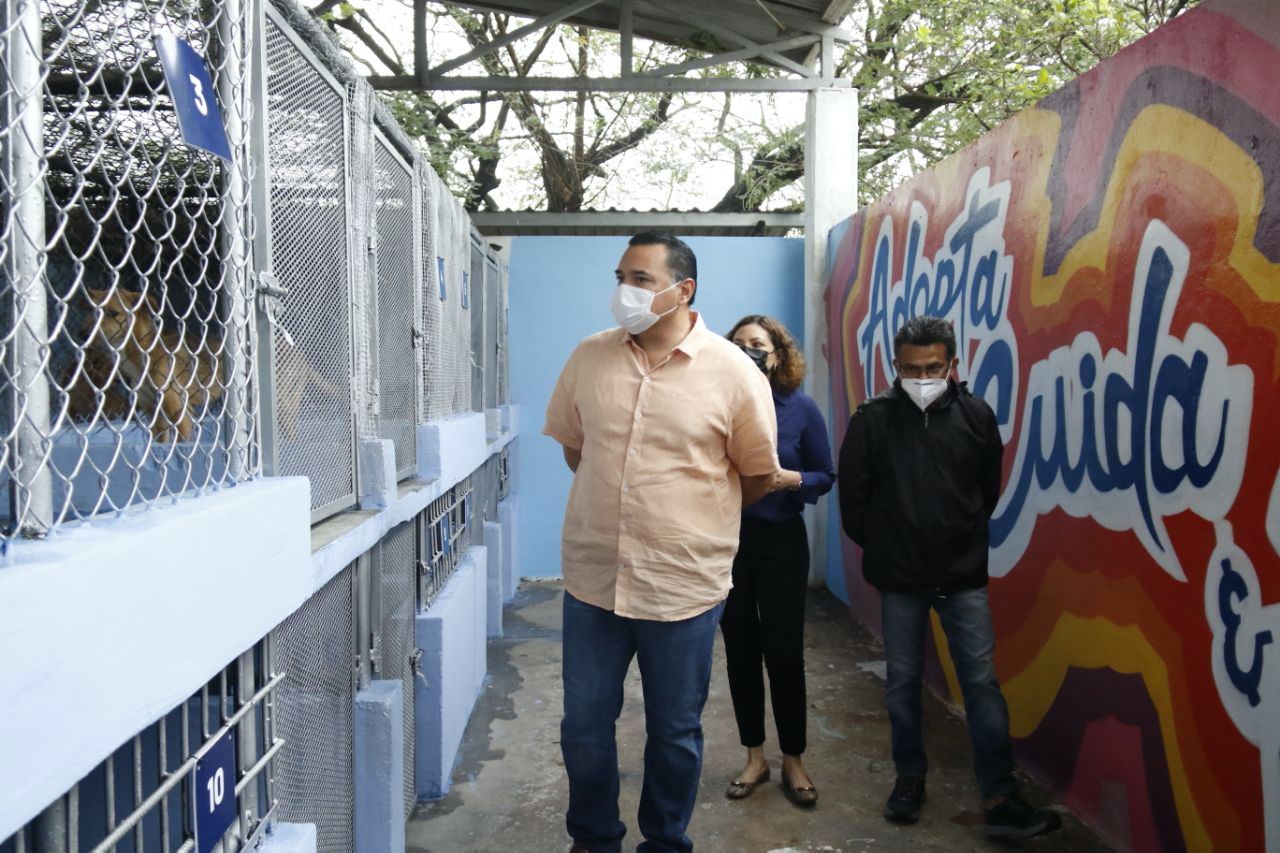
x=608 y=223
x=761 y=21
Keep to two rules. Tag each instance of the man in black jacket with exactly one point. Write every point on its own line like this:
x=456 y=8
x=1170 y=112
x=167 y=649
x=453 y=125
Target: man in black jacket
x=919 y=478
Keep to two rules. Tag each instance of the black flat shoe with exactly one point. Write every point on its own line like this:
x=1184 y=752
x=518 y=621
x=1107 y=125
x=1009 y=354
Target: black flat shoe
x=805 y=796
x=742 y=790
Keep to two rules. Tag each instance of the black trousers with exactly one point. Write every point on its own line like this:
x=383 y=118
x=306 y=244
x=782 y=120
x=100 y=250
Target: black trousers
x=763 y=620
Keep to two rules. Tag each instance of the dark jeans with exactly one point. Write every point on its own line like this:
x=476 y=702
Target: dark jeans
x=675 y=672
x=966 y=619
x=764 y=620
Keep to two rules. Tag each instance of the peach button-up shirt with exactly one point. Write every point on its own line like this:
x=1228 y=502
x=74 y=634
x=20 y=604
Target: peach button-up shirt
x=651 y=527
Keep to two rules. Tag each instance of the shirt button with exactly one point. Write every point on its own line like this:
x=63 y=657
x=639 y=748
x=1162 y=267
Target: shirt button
x=637 y=416
x=631 y=453
x=647 y=379
x=626 y=488
x=621 y=566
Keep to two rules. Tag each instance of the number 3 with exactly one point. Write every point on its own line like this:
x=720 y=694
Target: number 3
x=199 y=93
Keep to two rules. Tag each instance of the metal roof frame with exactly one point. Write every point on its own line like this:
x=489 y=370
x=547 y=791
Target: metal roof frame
x=603 y=223
x=794 y=36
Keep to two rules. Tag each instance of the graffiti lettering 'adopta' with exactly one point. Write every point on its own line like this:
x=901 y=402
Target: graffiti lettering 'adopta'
x=1132 y=437
x=967 y=282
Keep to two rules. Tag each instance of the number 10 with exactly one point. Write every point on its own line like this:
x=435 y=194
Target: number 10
x=217 y=786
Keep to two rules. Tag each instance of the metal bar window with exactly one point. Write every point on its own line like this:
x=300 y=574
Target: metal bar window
x=140 y=797
x=445 y=530
x=504 y=472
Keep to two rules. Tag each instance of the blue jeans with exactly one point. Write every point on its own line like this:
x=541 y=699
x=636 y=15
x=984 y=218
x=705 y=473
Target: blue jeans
x=966 y=620
x=675 y=672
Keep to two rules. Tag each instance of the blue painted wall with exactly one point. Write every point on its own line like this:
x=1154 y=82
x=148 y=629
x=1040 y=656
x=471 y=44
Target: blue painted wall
x=830 y=504
x=559 y=294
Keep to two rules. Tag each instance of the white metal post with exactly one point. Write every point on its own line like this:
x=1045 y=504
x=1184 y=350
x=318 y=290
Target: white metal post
x=235 y=36
x=831 y=195
x=31 y=501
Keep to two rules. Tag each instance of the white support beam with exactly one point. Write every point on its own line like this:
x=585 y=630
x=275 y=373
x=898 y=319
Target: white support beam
x=549 y=20
x=732 y=56
x=638 y=83
x=526 y=222
x=831 y=196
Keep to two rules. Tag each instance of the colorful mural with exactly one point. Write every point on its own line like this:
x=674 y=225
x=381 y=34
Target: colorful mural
x=1111 y=262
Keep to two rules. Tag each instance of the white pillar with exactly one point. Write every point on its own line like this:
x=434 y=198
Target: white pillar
x=830 y=196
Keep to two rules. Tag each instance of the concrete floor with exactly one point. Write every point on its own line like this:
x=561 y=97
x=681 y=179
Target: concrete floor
x=509 y=789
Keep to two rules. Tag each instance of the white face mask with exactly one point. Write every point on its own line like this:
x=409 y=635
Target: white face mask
x=632 y=306
x=923 y=392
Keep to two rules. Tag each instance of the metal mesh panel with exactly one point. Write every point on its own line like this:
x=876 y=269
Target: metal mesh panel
x=398 y=555
x=312 y=410
x=434 y=400
x=314 y=708
x=452 y=228
x=124 y=263
x=479 y=330
x=361 y=196
x=461 y=346
x=493 y=341
x=397 y=284
x=504 y=364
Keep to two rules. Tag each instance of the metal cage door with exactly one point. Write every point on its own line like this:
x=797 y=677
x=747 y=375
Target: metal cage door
x=308 y=414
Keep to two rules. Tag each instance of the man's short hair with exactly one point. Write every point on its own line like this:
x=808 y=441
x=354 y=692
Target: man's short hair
x=680 y=258
x=926 y=331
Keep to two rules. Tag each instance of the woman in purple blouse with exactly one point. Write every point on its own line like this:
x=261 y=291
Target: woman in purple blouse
x=763 y=617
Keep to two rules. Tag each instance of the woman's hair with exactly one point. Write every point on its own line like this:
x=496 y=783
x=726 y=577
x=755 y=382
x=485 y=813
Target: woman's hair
x=788 y=373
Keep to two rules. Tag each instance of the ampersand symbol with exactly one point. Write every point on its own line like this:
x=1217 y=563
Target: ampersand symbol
x=1232 y=586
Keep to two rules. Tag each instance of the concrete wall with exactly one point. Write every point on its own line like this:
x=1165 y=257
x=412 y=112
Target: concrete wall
x=149 y=606
x=1111 y=260
x=451 y=635
x=559 y=294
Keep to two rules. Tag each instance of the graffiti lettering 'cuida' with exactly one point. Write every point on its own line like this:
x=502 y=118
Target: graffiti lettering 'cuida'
x=1130 y=438
x=967 y=282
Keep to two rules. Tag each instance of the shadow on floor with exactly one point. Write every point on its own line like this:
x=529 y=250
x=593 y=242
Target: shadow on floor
x=509 y=789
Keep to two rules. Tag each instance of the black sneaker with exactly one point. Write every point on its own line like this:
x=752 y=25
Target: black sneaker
x=1013 y=818
x=905 y=801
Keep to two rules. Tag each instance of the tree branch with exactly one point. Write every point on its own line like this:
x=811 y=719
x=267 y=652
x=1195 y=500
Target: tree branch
x=385 y=58
x=655 y=120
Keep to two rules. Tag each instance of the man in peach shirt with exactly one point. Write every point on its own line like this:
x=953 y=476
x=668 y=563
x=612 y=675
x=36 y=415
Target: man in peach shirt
x=670 y=431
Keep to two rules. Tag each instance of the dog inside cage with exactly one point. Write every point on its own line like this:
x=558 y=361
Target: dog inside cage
x=143 y=256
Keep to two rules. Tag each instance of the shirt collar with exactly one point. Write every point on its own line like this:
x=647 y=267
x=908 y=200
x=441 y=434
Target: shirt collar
x=696 y=339
x=690 y=346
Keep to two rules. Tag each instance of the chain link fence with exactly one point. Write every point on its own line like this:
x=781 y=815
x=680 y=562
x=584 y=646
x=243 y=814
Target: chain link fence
x=126 y=262
x=172 y=321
